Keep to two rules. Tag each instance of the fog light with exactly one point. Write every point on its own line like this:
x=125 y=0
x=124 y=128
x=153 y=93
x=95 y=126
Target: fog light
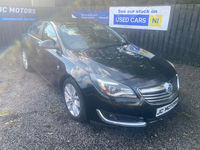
x=112 y=117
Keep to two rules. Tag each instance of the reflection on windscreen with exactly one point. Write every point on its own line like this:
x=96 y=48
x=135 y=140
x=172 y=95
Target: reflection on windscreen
x=80 y=37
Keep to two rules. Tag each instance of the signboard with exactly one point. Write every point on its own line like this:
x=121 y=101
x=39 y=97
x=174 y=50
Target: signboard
x=152 y=17
x=139 y=51
x=8 y=13
x=101 y=16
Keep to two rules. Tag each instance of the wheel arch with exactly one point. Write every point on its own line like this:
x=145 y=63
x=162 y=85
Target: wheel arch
x=62 y=80
x=77 y=73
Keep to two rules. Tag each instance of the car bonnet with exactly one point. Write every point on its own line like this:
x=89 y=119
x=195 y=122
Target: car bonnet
x=121 y=62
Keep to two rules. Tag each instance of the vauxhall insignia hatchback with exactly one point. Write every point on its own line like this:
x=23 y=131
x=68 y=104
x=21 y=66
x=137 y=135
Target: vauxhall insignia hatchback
x=102 y=76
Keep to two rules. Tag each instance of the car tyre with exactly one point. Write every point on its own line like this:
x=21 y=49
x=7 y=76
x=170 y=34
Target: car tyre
x=74 y=100
x=25 y=61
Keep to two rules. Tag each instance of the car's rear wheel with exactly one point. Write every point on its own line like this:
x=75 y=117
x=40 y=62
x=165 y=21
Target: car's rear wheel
x=26 y=61
x=74 y=100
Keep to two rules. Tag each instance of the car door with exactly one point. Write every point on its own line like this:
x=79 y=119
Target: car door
x=33 y=42
x=50 y=58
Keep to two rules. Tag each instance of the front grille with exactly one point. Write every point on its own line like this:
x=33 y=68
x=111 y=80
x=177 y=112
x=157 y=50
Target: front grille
x=158 y=95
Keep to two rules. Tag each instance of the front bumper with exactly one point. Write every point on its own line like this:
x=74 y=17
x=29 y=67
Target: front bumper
x=130 y=112
x=118 y=123
x=131 y=121
x=134 y=113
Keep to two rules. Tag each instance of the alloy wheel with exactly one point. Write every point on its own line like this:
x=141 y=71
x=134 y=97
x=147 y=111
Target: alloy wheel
x=25 y=61
x=72 y=100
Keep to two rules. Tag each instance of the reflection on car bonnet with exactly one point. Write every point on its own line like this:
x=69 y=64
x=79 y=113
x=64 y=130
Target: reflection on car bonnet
x=139 y=51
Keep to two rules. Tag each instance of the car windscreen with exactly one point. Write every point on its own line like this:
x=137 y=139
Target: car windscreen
x=88 y=36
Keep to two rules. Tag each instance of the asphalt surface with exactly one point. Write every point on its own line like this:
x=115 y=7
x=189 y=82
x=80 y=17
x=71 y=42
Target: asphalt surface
x=33 y=116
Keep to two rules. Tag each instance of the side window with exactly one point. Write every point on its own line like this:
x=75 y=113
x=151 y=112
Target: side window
x=35 y=29
x=48 y=33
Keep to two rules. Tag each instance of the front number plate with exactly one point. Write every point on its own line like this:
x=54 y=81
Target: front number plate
x=164 y=109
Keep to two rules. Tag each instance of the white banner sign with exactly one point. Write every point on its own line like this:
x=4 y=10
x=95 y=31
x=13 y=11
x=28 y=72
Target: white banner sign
x=149 y=17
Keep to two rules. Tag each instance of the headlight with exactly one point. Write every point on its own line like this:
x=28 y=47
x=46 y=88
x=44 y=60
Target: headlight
x=111 y=87
x=177 y=81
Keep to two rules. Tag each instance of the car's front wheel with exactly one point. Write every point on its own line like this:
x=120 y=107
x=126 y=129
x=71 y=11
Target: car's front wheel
x=74 y=100
x=26 y=61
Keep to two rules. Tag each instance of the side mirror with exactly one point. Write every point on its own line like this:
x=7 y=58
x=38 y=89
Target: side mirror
x=48 y=44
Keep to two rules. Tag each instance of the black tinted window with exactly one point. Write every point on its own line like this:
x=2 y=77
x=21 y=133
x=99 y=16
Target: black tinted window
x=35 y=29
x=49 y=33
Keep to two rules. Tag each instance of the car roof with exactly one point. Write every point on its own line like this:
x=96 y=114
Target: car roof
x=70 y=21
